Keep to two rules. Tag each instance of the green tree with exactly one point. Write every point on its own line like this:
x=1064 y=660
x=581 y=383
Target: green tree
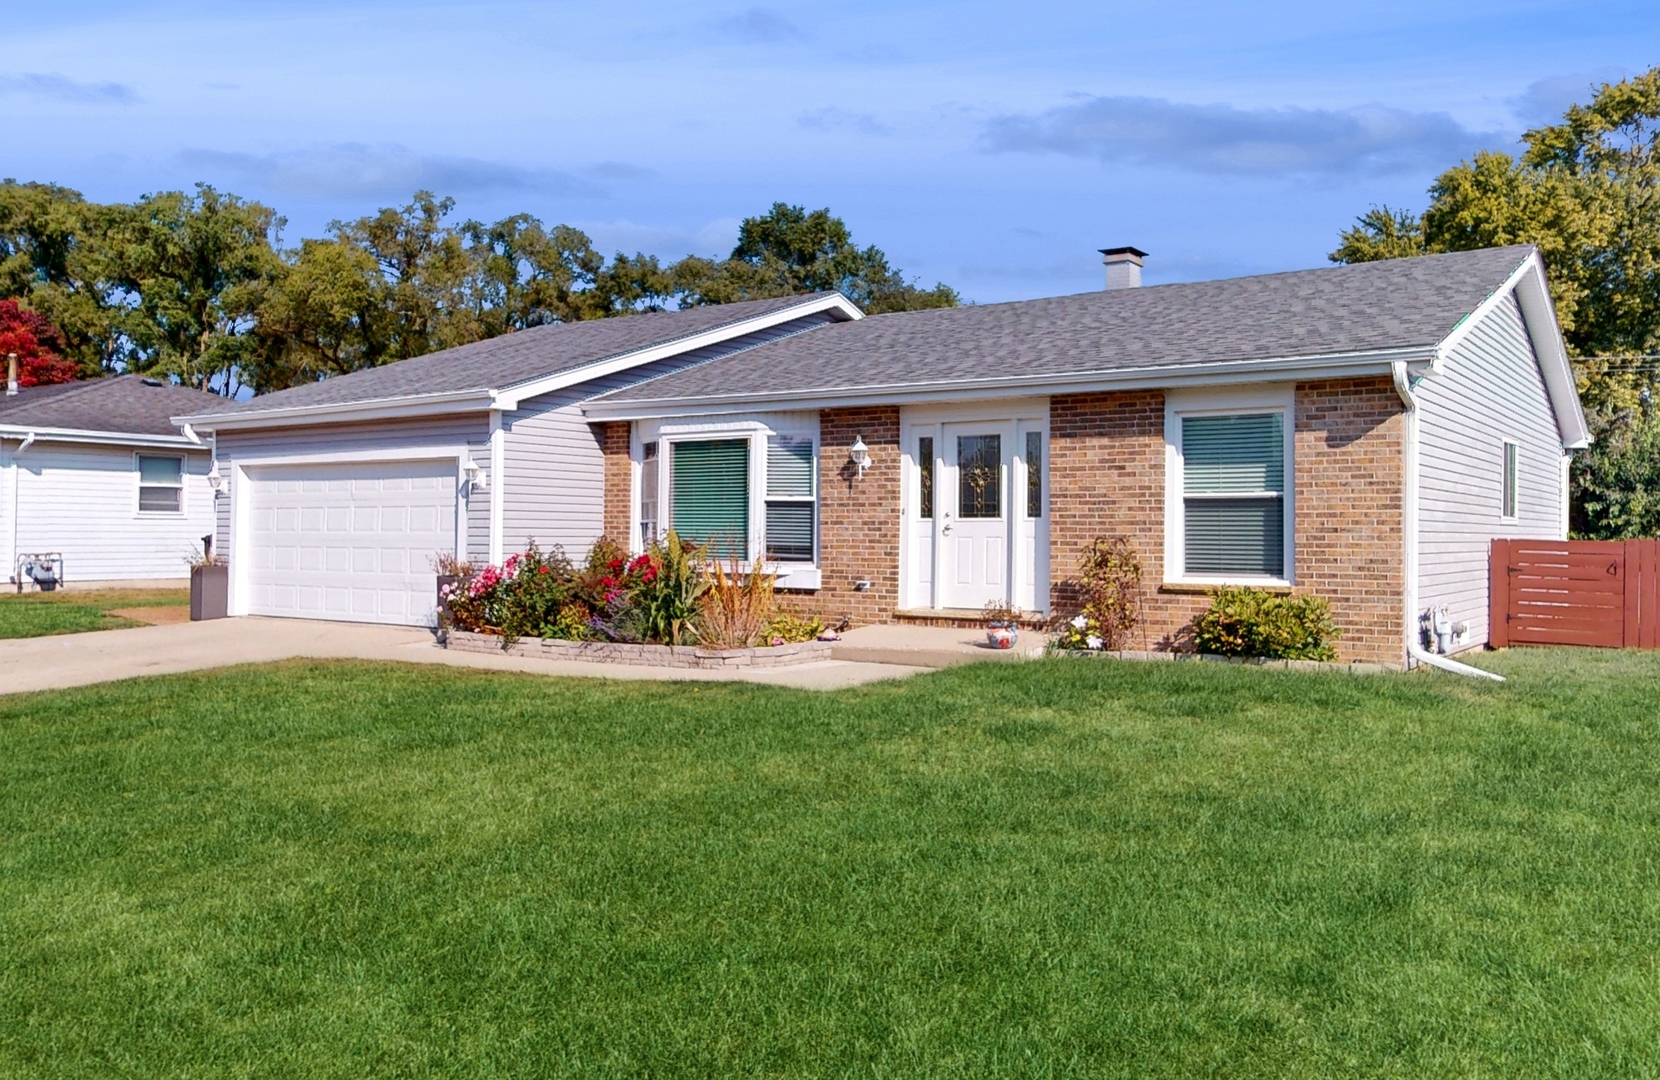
x=197 y=267
x=1616 y=484
x=55 y=258
x=1584 y=191
x=789 y=250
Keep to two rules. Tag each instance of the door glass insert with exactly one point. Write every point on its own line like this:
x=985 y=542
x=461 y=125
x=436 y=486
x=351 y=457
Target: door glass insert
x=925 y=470
x=979 y=476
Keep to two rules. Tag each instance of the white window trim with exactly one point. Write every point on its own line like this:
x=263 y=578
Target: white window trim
x=1510 y=483
x=665 y=433
x=1245 y=401
x=139 y=485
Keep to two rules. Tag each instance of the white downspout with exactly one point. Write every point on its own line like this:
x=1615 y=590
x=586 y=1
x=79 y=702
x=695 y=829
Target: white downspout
x=17 y=484
x=498 y=493
x=1409 y=523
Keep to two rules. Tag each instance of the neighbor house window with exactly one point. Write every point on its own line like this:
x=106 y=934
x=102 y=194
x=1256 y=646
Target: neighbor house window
x=791 y=499
x=1233 y=495
x=925 y=473
x=1034 y=474
x=648 y=493
x=709 y=495
x=160 y=484
x=1512 y=478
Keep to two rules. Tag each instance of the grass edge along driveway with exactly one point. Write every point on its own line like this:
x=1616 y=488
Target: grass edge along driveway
x=1046 y=869
x=41 y=614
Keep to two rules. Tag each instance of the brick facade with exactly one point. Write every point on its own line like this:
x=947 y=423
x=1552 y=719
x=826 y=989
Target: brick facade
x=1106 y=478
x=619 y=480
x=859 y=519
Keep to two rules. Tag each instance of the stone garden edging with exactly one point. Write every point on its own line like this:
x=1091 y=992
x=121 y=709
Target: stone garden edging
x=670 y=656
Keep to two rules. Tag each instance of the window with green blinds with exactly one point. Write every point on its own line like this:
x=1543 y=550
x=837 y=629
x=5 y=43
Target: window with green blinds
x=709 y=495
x=1233 y=486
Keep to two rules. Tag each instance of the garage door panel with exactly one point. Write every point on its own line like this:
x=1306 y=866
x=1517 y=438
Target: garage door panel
x=350 y=540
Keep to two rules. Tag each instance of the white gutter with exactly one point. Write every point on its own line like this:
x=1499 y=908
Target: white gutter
x=101 y=438
x=1409 y=525
x=1334 y=365
x=382 y=409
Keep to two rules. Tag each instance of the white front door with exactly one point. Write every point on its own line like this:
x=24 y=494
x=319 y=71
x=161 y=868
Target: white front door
x=351 y=541
x=974 y=505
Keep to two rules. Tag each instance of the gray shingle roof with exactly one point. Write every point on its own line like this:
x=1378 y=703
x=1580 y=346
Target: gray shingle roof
x=1341 y=309
x=124 y=404
x=516 y=358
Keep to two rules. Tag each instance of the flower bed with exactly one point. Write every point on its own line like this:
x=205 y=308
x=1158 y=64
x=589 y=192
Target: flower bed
x=618 y=652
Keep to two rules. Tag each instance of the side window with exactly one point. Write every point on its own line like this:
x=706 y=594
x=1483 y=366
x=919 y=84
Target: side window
x=649 y=481
x=1512 y=478
x=791 y=500
x=160 y=484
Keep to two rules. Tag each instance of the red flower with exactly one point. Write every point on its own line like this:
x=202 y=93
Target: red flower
x=541 y=569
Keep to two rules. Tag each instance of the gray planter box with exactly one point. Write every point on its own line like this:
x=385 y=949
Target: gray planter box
x=210 y=592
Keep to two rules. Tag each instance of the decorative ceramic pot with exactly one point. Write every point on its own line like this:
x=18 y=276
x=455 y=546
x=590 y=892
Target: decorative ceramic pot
x=1002 y=635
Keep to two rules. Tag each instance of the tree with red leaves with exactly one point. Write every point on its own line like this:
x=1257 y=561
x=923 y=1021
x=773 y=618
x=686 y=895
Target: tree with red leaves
x=38 y=345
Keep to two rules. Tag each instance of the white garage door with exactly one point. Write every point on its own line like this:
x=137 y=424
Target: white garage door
x=350 y=541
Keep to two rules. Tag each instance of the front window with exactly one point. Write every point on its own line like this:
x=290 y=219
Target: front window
x=1233 y=495
x=160 y=484
x=709 y=495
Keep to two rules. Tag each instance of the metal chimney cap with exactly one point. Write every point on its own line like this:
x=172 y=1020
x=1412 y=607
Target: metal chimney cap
x=1135 y=251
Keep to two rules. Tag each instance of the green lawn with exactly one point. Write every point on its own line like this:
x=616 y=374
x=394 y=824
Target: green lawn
x=39 y=614
x=1063 y=868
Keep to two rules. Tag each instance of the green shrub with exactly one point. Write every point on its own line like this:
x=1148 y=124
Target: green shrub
x=788 y=629
x=1257 y=623
x=1109 y=580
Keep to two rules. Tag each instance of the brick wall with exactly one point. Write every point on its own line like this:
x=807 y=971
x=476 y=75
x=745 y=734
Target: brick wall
x=613 y=441
x=1351 y=488
x=1106 y=478
x=858 y=519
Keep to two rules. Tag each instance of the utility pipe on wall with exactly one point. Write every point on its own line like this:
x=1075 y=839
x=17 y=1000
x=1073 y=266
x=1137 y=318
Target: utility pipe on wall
x=1414 y=646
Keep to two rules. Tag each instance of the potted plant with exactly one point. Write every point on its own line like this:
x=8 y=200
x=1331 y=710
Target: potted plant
x=450 y=572
x=1002 y=624
x=210 y=584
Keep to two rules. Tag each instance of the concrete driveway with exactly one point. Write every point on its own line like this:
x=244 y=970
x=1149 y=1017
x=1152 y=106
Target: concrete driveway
x=50 y=663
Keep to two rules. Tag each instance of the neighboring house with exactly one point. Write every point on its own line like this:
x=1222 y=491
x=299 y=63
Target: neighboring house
x=338 y=495
x=97 y=473
x=1357 y=432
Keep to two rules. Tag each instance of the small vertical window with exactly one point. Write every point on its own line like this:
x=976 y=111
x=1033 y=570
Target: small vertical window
x=925 y=472
x=1034 y=474
x=160 y=484
x=791 y=499
x=1512 y=478
x=648 y=493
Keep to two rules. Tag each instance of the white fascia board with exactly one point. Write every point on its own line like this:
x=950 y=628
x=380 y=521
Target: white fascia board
x=508 y=398
x=1539 y=315
x=98 y=438
x=384 y=409
x=1228 y=373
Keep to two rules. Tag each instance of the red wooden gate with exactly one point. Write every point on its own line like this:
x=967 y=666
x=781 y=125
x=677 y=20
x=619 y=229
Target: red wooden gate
x=1575 y=592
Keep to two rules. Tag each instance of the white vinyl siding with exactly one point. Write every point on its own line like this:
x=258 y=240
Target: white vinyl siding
x=82 y=501
x=1489 y=392
x=555 y=466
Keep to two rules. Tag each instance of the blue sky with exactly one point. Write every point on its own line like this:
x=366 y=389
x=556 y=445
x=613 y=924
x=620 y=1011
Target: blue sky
x=993 y=146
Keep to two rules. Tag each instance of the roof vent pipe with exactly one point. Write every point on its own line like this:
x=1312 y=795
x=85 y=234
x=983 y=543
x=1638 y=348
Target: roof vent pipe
x=11 y=374
x=1123 y=267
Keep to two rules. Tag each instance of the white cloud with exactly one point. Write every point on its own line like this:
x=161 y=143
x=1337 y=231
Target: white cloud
x=386 y=171
x=1545 y=101
x=62 y=88
x=1224 y=139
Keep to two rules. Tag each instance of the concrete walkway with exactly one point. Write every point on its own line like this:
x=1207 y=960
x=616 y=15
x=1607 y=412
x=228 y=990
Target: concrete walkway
x=931 y=646
x=49 y=663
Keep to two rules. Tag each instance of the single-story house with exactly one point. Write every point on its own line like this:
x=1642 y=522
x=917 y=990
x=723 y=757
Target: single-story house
x=97 y=474
x=1357 y=432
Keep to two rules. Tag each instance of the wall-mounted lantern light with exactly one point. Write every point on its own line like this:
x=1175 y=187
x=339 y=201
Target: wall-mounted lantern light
x=859 y=455
x=477 y=479
x=215 y=478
